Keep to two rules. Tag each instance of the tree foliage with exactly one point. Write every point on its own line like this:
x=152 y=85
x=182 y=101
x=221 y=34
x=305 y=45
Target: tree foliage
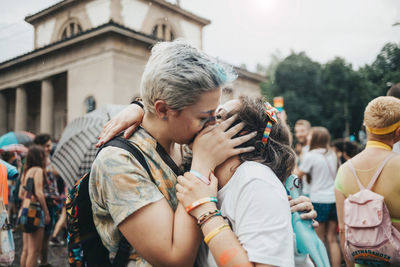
x=333 y=95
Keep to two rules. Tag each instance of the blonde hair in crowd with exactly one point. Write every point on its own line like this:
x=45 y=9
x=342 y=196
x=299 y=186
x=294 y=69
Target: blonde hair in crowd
x=382 y=112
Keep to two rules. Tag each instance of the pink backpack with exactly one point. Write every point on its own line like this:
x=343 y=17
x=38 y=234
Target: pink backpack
x=371 y=238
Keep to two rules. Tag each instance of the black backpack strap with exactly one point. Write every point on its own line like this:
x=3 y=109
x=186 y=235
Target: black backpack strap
x=124 y=247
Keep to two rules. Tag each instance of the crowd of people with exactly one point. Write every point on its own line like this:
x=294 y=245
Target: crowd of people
x=211 y=189
x=32 y=178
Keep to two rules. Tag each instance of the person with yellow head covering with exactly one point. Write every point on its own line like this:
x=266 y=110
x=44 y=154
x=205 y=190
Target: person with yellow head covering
x=382 y=122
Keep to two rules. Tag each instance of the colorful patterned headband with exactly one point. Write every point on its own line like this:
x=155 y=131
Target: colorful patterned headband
x=271 y=113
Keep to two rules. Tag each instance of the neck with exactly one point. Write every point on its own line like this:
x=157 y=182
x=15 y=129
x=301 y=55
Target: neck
x=388 y=145
x=225 y=171
x=157 y=129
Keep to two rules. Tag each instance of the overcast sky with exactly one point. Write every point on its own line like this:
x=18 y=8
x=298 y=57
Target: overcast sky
x=249 y=31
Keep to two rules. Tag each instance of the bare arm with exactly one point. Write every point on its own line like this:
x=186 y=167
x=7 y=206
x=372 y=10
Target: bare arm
x=225 y=246
x=170 y=241
x=38 y=181
x=339 y=208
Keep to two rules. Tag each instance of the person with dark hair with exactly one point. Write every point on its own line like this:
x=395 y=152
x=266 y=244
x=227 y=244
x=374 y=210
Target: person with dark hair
x=34 y=179
x=251 y=194
x=51 y=195
x=345 y=149
x=319 y=165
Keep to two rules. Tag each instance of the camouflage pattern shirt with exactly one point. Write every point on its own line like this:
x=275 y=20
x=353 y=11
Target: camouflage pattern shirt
x=119 y=185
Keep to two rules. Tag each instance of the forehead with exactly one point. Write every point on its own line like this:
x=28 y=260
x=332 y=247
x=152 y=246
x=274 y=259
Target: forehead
x=207 y=103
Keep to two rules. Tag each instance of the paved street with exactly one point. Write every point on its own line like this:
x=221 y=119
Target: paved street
x=57 y=255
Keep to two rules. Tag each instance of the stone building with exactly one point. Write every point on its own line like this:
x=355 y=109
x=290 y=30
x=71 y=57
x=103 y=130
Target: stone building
x=88 y=53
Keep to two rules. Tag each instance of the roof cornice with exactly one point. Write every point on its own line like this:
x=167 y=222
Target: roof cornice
x=183 y=12
x=105 y=28
x=250 y=75
x=32 y=19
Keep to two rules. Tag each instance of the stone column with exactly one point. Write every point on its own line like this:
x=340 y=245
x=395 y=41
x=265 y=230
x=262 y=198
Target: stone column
x=3 y=114
x=46 y=107
x=21 y=109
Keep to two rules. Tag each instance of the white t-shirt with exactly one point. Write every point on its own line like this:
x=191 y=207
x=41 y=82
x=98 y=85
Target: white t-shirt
x=305 y=190
x=396 y=147
x=315 y=162
x=255 y=202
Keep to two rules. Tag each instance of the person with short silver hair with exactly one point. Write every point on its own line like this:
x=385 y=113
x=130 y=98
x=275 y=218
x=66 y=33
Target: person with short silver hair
x=181 y=89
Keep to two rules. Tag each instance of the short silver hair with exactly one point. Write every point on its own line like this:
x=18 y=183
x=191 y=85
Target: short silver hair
x=179 y=73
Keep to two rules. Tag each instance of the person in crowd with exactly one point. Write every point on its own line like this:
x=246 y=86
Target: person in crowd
x=3 y=180
x=319 y=165
x=345 y=149
x=301 y=130
x=382 y=121
x=15 y=160
x=62 y=220
x=395 y=92
x=251 y=195
x=51 y=196
x=181 y=89
x=35 y=168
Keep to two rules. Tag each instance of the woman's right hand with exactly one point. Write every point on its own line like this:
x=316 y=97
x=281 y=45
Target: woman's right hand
x=213 y=145
x=46 y=218
x=190 y=189
x=127 y=119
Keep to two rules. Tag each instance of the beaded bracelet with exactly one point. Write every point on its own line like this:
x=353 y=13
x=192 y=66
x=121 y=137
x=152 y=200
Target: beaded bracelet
x=200 y=202
x=214 y=232
x=206 y=216
x=200 y=176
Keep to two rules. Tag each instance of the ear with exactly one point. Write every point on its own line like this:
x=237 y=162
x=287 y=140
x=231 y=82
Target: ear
x=161 y=109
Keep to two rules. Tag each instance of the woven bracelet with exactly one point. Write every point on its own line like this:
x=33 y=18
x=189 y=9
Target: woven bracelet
x=206 y=216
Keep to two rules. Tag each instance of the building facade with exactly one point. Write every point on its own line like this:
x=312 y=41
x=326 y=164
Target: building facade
x=90 y=53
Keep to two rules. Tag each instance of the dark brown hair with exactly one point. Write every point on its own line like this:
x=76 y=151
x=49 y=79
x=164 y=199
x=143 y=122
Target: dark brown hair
x=36 y=158
x=277 y=152
x=320 y=138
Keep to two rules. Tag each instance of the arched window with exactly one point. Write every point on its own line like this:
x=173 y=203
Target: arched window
x=163 y=31
x=70 y=29
x=90 y=104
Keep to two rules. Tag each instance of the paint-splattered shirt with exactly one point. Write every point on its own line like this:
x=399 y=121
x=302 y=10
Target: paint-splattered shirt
x=119 y=185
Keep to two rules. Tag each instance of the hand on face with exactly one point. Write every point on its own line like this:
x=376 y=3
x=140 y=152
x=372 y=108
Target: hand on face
x=214 y=145
x=127 y=119
x=190 y=189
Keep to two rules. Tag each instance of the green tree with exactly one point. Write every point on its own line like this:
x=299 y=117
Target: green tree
x=297 y=79
x=385 y=70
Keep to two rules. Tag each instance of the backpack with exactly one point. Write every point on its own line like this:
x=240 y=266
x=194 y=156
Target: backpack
x=370 y=237
x=85 y=247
